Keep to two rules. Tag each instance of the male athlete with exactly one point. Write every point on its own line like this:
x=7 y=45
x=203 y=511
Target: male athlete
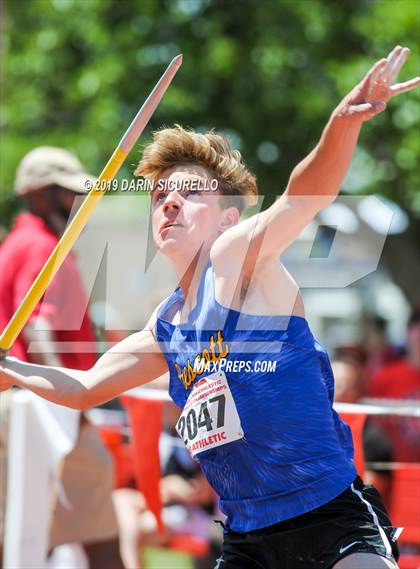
x=267 y=439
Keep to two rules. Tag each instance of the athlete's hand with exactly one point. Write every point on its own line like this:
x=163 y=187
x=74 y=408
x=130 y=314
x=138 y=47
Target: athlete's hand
x=371 y=95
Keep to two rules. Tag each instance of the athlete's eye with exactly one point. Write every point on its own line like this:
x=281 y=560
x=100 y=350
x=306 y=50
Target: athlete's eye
x=189 y=193
x=158 y=196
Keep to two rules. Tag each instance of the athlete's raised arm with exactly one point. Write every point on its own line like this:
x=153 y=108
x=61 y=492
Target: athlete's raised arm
x=316 y=181
x=134 y=361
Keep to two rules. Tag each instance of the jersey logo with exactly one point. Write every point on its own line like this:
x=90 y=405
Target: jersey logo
x=211 y=354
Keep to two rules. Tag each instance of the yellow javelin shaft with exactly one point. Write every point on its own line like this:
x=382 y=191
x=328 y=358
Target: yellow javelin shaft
x=73 y=230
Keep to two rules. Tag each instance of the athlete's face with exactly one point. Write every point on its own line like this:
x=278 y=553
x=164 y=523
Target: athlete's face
x=187 y=218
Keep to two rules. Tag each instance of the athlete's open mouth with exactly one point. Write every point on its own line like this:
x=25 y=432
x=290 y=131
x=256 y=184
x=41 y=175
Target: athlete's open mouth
x=169 y=225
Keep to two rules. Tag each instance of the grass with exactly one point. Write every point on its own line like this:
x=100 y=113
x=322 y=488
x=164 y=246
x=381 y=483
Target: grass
x=159 y=558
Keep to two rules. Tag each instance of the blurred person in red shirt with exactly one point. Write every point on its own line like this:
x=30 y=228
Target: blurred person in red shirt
x=401 y=380
x=58 y=333
x=55 y=319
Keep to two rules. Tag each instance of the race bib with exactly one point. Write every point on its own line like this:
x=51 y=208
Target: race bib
x=210 y=418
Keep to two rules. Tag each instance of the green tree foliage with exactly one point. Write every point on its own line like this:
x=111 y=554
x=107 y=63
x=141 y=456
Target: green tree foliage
x=267 y=73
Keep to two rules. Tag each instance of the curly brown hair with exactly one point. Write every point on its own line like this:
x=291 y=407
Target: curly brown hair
x=177 y=145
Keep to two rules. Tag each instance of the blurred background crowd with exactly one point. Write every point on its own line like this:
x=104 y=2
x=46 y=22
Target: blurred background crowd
x=267 y=75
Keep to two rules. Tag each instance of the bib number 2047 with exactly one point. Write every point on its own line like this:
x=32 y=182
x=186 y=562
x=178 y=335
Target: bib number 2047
x=202 y=417
x=210 y=418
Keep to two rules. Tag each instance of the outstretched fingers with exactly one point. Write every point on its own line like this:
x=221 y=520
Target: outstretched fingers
x=406 y=86
x=399 y=61
x=371 y=76
x=392 y=59
x=370 y=96
x=378 y=70
x=383 y=73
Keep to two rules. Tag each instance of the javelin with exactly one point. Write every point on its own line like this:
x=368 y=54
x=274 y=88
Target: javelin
x=73 y=230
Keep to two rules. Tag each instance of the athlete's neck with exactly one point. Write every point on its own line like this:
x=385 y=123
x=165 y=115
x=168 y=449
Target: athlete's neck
x=189 y=276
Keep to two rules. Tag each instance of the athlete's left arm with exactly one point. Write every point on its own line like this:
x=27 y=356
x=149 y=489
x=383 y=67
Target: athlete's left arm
x=322 y=172
x=315 y=182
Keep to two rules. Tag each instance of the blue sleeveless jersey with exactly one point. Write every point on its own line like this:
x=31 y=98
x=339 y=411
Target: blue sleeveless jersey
x=296 y=453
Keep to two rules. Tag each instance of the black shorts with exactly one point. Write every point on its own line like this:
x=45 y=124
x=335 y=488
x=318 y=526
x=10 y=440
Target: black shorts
x=354 y=522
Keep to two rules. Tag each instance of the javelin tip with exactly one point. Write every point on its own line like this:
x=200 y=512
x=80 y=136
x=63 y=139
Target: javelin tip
x=177 y=59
